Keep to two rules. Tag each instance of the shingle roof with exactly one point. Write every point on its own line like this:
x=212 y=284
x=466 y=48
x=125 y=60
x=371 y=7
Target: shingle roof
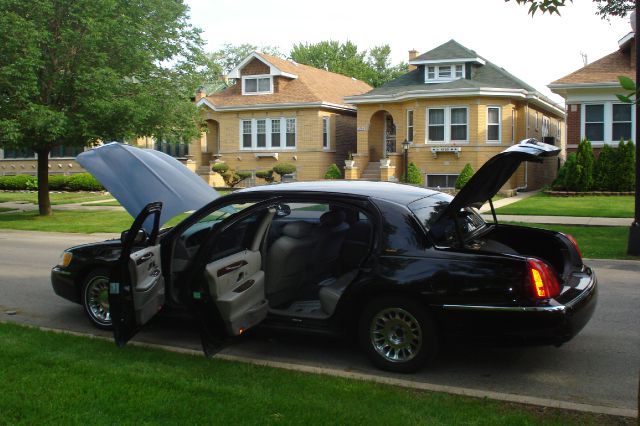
x=604 y=70
x=449 y=50
x=312 y=85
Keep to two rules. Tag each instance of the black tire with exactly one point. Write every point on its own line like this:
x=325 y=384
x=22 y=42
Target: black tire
x=397 y=334
x=95 y=298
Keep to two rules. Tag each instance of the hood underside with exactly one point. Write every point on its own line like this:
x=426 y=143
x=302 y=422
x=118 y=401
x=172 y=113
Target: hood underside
x=136 y=177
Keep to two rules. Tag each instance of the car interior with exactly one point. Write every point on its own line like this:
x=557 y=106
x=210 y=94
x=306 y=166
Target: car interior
x=293 y=259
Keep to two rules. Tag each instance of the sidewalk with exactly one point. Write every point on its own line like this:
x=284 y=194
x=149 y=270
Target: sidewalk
x=563 y=220
x=26 y=207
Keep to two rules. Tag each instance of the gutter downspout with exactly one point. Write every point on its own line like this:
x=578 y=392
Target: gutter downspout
x=526 y=163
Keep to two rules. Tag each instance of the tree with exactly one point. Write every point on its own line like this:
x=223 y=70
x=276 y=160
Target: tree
x=333 y=172
x=284 y=169
x=464 y=176
x=414 y=175
x=624 y=171
x=606 y=8
x=267 y=175
x=372 y=67
x=563 y=180
x=77 y=72
x=605 y=169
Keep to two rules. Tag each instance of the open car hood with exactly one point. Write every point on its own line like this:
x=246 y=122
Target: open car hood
x=136 y=177
x=493 y=174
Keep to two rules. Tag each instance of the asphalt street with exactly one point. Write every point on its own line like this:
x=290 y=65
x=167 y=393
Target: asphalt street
x=600 y=366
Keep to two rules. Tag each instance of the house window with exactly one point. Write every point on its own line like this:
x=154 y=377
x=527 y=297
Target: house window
x=176 y=150
x=257 y=85
x=441 y=181
x=444 y=73
x=493 y=124
x=536 y=120
x=545 y=126
x=325 y=132
x=459 y=71
x=513 y=126
x=447 y=124
x=431 y=73
x=559 y=131
x=594 y=122
x=268 y=133
x=410 y=125
x=621 y=122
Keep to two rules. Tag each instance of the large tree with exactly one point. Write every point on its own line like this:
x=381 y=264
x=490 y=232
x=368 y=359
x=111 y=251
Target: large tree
x=372 y=67
x=606 y=8
x=76 y=72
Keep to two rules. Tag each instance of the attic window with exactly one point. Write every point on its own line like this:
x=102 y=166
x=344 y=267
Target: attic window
x=257 y=85
x=443 y=73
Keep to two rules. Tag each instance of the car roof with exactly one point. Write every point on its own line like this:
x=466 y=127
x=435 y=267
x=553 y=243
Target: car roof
x=398 y=193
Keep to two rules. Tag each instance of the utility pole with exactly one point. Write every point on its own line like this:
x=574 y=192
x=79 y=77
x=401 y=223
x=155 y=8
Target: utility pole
x=634 y=230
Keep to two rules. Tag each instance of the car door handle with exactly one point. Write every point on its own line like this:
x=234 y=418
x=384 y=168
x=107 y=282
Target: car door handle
x=231 y=267
x=144 y=258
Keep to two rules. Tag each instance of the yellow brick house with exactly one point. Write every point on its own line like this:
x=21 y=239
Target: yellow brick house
x=277 y=111
x=455 y=107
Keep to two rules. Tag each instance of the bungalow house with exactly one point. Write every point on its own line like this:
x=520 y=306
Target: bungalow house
x=455 y=107
x=277 y=111
x=593 y=110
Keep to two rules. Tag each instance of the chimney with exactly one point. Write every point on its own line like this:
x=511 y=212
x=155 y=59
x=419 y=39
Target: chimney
x=412 y=55
x=200 y=93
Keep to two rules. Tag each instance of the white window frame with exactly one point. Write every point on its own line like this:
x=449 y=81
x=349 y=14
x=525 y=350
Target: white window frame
x=447 y=125
x=536 y=128
x=559 y=132
x=326 y=133
x=410 y=125
x=436 y=73
x=630 y=122
x=546 y=126
x=583 y=124
x=499 y=124
x=268 y=134
x=258 y=91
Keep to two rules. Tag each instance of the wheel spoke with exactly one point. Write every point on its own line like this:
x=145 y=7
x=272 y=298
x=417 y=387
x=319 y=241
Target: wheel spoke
x=395 y=334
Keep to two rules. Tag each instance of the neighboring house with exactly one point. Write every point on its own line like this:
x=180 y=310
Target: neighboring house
x=277 y=111
x=593 y=110
x=456 y=108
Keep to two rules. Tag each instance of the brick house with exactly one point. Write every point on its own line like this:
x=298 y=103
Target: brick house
x=456 y=108
x=277 y=111
x=593 y=110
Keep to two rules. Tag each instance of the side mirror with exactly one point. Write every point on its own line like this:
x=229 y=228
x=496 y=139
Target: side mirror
x=283 y=210
x=141 y=236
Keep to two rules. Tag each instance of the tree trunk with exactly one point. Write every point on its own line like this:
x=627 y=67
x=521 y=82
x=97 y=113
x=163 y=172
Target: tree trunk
x=44 y=203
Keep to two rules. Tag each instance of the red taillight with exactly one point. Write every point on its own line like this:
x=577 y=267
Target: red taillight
x=543 y=280
x=575 y=244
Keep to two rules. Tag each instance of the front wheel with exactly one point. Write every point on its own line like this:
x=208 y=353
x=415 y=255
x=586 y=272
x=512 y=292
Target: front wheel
x=397 y=334
x=95 y=298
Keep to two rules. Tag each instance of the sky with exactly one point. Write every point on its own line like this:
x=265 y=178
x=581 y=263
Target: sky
x=537 y=49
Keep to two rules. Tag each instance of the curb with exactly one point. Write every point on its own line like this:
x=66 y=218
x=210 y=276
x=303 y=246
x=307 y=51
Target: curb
x=514 y=398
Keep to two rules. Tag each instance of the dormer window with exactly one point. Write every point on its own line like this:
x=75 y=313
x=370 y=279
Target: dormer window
x=444 y=73
x=257 y=85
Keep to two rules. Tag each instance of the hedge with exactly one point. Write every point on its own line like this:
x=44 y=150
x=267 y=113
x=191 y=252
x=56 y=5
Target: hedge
x=76 y=182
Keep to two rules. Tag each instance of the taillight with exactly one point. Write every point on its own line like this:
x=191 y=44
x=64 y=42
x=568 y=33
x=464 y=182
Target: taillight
x=574 y=243
x=543 y=280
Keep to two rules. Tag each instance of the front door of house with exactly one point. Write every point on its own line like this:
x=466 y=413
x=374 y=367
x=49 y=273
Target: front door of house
x=389 y=142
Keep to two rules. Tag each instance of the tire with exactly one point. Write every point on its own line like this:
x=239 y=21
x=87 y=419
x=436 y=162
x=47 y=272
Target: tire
x=95 y=298
x=397 y=334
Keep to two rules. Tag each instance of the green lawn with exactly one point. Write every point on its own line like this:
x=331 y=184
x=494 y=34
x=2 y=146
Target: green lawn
x=5 y=209
x=595 y=242
x=587 y=206
x=78 y=380
x=56 y=198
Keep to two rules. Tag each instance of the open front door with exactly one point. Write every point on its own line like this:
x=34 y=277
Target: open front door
x=136 y=284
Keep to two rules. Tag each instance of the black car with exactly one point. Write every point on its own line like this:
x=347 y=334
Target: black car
x=400 y=268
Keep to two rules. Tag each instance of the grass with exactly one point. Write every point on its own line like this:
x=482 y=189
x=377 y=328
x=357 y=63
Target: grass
x=587 y=206
x=595 y=242
x=79 y=380
x=5 y=209
x=56 y=197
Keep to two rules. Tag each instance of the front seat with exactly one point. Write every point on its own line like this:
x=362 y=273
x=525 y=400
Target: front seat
x=287 y=262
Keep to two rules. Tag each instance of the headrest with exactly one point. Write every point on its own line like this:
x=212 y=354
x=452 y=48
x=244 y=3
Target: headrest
x=332 y=218
x=299 y=229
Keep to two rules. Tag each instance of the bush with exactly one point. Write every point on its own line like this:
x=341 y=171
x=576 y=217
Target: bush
x=232 y=178
x=220 y=168
x=582 y=179
x=625 y=167
x=605 y=170
x=17 y=182
x=58 y=182
x=563 y=174
x=414 y=175
x=267 y=175
x=284 y=169
x=333 y=172
x=464 y=176
x=83 y=182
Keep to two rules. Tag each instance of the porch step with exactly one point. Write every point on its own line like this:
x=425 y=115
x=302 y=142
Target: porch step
x=371 y=172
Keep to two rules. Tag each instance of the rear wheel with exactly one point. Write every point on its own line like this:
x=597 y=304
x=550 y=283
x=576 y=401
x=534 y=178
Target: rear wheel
x=95 y=298
x=397 y=334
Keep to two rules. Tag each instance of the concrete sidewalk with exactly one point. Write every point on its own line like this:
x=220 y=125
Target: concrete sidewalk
x=26 y=207
x=563 y=220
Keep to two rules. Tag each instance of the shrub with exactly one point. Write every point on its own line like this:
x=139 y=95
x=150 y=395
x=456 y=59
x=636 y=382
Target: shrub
x=58 y=182
x=414 y=175
x=284 y=169
x=584 y=167
x=220 y=168
x=232 y=178
x=604 y=170
x=83 y=182
x=464 y=176
x=267 y=175
x=563 y=174
x=17 y=182
x=333 y=172
x=625 y=164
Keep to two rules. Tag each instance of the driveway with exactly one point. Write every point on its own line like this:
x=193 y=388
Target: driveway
x=600 y=366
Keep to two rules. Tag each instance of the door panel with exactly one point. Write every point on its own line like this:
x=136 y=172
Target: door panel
x=147 y=283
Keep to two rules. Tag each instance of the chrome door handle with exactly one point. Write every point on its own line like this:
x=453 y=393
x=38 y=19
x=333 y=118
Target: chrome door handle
x=144 y=258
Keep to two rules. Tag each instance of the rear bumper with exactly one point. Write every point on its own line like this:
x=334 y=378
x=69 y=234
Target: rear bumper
x=554 y=323
x=64 y=285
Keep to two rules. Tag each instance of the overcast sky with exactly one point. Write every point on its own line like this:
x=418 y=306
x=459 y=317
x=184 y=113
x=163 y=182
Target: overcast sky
x=537 y=50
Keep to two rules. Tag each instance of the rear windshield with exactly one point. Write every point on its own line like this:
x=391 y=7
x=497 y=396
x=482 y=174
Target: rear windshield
x=443 y=229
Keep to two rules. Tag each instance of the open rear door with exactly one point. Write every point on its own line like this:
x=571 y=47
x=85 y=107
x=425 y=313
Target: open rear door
x=136 y=284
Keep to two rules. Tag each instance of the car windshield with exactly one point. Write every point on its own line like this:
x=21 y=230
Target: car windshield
x=443 y=229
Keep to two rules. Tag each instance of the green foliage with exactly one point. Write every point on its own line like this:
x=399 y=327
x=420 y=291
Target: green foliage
x=625 y=171
x=605 y=170
x=17 y=182
x=77 y=182
x=372 y=67
x=583 y=172
x=58 y=182
x=464 y=176
x=220 y=168
x=606 y=8
x=83 y=182
x=333 y=172
x=563 y=180
x=284 y=169
x=267 y=175
x=231 y=177
x=414 y=175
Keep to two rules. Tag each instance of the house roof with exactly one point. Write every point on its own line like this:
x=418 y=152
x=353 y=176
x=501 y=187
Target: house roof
x=310 y=86
x=604 y=70
x=487 y=79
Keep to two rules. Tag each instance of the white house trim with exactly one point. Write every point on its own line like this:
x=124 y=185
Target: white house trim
x=256 y=107
x=273 y=70
x=476 y=60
